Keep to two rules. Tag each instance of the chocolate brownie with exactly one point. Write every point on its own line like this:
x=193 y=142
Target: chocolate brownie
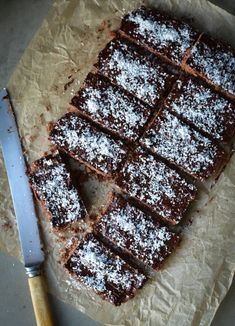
x=104 y=272
x=52 y=186
x=205 y=109
x=160 y=33
x=87 y=144
x=183 y=146
x=156 y=186
x=136 y=233
x=214 y=61
x=136 y=70
x=111 y=107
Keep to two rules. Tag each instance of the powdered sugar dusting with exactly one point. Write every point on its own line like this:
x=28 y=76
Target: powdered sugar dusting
x=167 y=36
x=216 y=62
x=99 y=269
x=131 y=230
x=83 y=141
x=157 y=186
x=206 y=109
x=51 y=181
x=112 y=107
x=134 y=72
x=176 y=141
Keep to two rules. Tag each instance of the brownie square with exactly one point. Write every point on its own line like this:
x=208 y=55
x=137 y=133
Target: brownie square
x=139 y=72
x=52 y=186
x=183 y=146
x=136 y=234
x=111 y=107
x=205 y=109
x=160 y=33
x=214 y=61
x=104 y=272
x=156 y=186
x=87 y=144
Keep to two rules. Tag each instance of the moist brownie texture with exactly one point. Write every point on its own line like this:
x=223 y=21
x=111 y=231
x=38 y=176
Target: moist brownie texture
x=205 y=109
x=51 y=183
x=215 y=62
x=160 y=33
x=183 y=146
x=156 y=186
x=136 y=70
x=136 y=234
x=87 y=144
x=111 y=107
x=104 y=272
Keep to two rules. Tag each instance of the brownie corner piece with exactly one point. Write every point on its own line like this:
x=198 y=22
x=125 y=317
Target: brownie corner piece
x=136 y=234
x=111 y=107
x=181 y=145
x=156 y=186
x=164 y=35
x=214 y=61
x=52 y=185
x=87 y=144
x=108 y=275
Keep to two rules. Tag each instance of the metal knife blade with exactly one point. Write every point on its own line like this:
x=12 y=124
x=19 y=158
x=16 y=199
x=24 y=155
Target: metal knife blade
x=20 y=190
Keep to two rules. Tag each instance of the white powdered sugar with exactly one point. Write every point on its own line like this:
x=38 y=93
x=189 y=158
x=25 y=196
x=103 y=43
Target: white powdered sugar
x=176 y=141
x=206 y=109
x=156 y=185
x=102 y=271
x=135 y=73
x=112 y=107
x=217 y=64
x=82 y=141
x=130 y=229
x=51 y=181
x=163 y=35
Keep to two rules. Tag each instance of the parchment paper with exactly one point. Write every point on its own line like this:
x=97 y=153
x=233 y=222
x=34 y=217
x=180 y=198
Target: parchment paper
x=196 y=278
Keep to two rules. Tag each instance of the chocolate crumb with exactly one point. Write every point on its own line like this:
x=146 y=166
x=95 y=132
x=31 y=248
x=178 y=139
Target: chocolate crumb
x=66 y=86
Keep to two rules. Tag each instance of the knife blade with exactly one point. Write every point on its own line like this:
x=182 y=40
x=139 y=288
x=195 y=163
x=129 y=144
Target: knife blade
x=19 y=186
x=22 y=198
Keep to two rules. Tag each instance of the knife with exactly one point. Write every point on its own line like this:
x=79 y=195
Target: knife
x=31 y=248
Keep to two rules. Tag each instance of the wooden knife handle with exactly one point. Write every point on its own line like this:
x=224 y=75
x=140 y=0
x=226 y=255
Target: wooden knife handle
x=40 y=301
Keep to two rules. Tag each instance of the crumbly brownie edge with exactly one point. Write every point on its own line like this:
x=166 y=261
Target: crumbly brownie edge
x=57 y=229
